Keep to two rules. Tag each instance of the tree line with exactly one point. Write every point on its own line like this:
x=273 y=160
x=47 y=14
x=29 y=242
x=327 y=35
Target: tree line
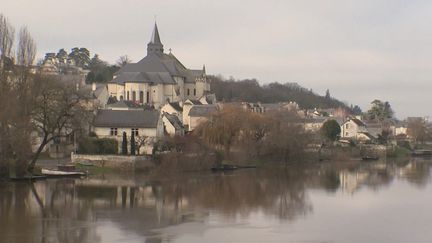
x=249 y=90
x=100 y=71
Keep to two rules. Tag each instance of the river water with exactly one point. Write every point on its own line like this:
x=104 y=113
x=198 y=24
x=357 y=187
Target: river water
x=333 y=202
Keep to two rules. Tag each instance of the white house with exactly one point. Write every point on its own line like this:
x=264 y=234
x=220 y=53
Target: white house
x=354 y=128
x=172 y=125
x=158 y=78
x=174 y=108
x=142 y=123
x=198 y=114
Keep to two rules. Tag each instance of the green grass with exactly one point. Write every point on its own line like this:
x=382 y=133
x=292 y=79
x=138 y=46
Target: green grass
x=95 y=170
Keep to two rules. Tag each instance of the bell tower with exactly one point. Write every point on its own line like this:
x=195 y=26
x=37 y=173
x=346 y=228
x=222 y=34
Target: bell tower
x=155 y=45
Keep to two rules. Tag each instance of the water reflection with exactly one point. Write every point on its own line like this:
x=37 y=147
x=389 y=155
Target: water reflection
x=141 y=208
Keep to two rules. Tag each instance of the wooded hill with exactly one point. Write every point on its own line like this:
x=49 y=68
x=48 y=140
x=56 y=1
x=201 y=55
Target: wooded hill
x=249 y=90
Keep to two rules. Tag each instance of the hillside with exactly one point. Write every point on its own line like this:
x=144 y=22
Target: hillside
x=249 y=90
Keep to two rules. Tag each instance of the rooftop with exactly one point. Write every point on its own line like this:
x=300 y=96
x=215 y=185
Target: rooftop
x=127 y=118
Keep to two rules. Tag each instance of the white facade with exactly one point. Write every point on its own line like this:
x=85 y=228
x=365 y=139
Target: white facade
x=352 y=129
x=152 y=134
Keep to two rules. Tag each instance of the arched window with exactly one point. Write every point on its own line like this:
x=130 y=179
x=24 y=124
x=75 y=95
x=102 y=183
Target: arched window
x=127 y=95
x=148 y=97
x=133 y=96
x=141 y=98
x=195 y=92
x=121 y=97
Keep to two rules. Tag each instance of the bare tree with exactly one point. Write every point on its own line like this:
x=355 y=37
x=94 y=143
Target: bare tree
x=141 y=141
x=26 y=51
x=59 y=111
x=7 y=37
x=123 y=60
x=7 y=100
x=418 y=130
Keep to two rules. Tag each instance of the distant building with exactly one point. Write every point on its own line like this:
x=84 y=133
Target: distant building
x=158 y=78
x=143 y=123
x=355 y=129
x=172 y=125
x=199 y=114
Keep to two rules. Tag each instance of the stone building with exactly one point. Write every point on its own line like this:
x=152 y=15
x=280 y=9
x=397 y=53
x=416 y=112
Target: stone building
x=158 y=78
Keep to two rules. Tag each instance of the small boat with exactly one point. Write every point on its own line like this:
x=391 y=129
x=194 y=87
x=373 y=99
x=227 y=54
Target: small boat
x=370 y=157
x=63 y=171
x=422 y=152
x=224 y=168
x=60 y=173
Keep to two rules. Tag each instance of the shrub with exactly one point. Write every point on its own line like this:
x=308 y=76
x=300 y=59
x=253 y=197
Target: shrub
x=97 y=146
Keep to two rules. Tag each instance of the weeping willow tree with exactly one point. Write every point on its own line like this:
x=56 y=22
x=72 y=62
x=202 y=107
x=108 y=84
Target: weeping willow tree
x=223 y=128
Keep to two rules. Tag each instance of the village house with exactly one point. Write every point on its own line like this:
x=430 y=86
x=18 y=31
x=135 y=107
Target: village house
x=144 y=124
x=172 y=125
x=199 y=114
x=158 y=78
x=269 y=107
x=355 y=129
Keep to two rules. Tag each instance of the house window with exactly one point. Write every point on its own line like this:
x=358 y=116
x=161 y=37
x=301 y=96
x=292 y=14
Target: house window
x=127 y=95
x=134 y=96
x=188 y=92
x=121 y=97
x=346 y=134
x=194 y=91
x=347 y=126
x=134 y=131
x=148 y=97
x=141 y=97
x=113 y=131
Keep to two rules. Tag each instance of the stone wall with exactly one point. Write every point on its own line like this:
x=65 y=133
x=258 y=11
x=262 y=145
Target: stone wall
x=114 y=161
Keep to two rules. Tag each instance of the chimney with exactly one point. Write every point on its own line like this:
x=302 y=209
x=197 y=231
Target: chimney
x=93 y=86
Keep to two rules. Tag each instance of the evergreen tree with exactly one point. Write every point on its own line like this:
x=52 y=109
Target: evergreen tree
x=380 y=111
x=124 y=144
x=132 y=144
x=327 y=95
x=62 y=56
x=331 y=130
x=81 y=56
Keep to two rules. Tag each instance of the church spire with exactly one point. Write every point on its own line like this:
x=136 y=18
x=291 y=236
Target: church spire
x=155 y=45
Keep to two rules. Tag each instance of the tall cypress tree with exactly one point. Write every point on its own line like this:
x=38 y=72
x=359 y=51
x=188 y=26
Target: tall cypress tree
x=124 y=144
x=132 y=144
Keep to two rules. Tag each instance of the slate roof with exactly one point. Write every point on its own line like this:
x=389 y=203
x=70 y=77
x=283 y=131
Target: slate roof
x=358 y=122
x=127 y=118
x=157 y=67
x=194 y=102
x=368 y=135
x=175 y=121
x=202 y=110
x=176 y=106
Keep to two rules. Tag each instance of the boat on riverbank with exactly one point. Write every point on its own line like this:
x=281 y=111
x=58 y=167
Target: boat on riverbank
x=370 y=157
x=67 y=170
x=60 y=173
x=422 y=153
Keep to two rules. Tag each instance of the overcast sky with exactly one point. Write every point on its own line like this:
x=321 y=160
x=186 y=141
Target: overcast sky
x=359 y=49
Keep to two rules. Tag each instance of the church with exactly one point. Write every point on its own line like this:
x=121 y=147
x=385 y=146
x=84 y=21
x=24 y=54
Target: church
x=158 y=78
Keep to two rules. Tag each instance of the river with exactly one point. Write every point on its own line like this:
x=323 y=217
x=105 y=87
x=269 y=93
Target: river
x=350 y=201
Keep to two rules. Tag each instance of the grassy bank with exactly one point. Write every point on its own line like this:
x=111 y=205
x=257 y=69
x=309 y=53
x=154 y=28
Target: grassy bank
x=95 y=170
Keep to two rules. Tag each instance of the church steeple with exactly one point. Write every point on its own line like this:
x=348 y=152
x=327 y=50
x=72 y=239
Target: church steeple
x=155 y=45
